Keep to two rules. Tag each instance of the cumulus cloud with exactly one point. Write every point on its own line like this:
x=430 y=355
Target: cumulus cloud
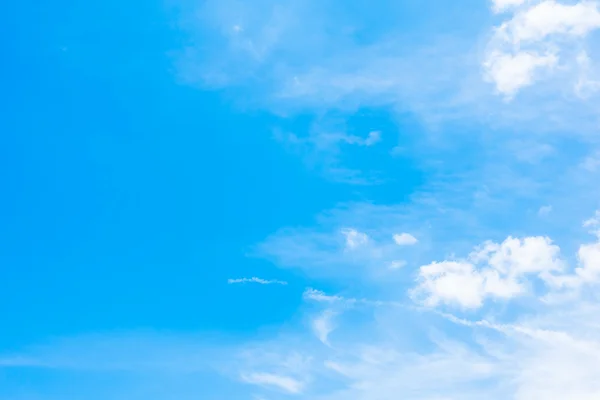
x=508 y=270
x=531 y=41
x=503 y=5
x=493 y=270
x=589 y=258
x=405 y=239
x=511 y=72
x=550 y=18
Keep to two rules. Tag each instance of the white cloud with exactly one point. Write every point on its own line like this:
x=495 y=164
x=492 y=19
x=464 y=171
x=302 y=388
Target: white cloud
x=551 y=18
x=405 y=239
x=507 y=270
x=373 y=138
x=294 y=68
x=588 y=269
x=548 y=357
x=451 y=282
x=330 y=250
x=560 y=342
x=317 y=295
x=259 y=281
x=503 y=5
x=346 y=302
x=535 y=359
x=589 y=259
x=587 y=84
x=354 y=238
x=550 y=354
x=511 y=72
x=285 y=383
x=494 y=270
x=397 y=264
x=324 y=325
x=521 y=256
x=531 y=41
x=593 y=222
x=589 y=254
x=545 y=350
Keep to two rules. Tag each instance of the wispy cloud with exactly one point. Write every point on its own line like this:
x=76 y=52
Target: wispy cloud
x=544 y=211
x=321 y=150
x=354 y=238
x=332 y=250
x=323 y=325
x=522 y=289
x=320 y=66
x=510 y=354
x=321 y=297
x=259 y=281
x=507 y=353
x=285 y=383
x=518 y=86
x=317 y=295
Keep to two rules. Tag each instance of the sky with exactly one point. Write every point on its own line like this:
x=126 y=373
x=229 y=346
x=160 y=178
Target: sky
x=324 y=200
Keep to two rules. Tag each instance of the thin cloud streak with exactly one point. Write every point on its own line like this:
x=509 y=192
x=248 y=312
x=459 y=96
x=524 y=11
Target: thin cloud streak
x=259 y=281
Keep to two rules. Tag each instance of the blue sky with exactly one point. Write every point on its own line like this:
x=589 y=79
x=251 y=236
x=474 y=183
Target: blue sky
x=301 y=200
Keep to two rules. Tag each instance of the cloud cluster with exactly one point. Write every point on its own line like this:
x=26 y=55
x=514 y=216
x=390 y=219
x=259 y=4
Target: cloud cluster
x=511 y=355
x=537 y=39
x=497 y=270
x=507 y=270
x=411 y=347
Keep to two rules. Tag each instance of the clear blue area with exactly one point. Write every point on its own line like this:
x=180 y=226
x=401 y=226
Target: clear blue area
x=130 y=199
